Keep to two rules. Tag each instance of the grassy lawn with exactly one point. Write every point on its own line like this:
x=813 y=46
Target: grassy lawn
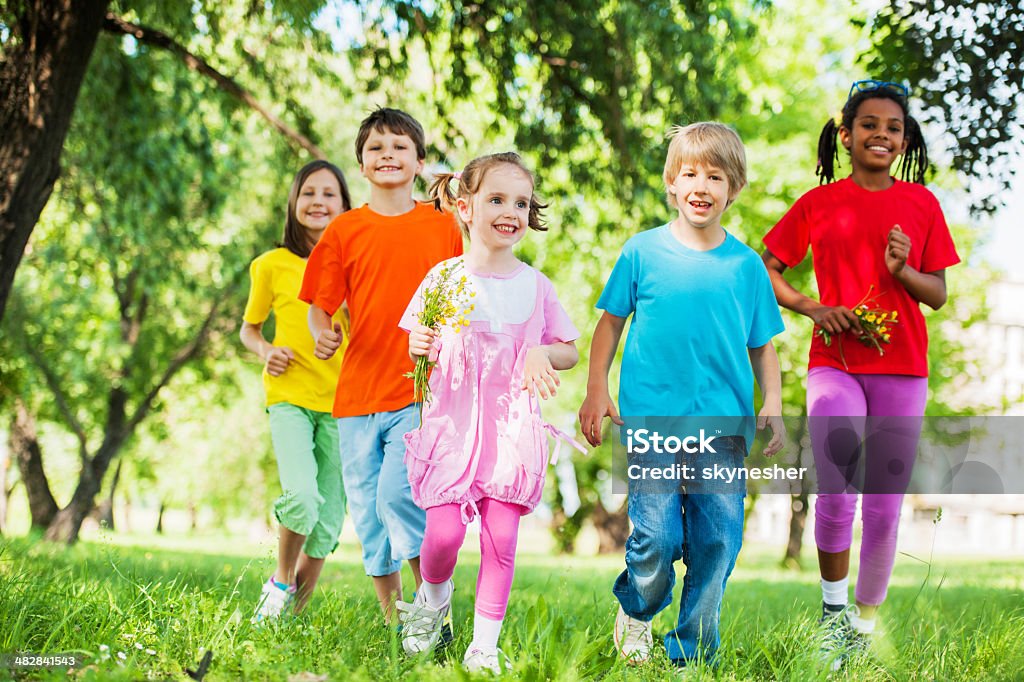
x=137 y=608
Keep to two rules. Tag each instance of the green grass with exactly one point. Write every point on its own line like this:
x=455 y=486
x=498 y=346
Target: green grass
x=948 y=620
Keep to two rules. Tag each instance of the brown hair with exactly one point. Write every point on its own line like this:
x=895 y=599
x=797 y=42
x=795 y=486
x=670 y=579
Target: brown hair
x=468 y=182
x=295 y=239
x=397 y=122
x=711 y=144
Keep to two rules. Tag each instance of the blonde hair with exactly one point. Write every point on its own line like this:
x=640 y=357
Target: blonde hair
x=448 y=188
x=709 y=144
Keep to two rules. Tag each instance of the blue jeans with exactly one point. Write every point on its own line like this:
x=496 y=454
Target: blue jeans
x=389 y=524
x=706 y=532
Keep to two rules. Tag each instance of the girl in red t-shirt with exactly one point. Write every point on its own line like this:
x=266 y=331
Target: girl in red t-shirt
x=880 y=246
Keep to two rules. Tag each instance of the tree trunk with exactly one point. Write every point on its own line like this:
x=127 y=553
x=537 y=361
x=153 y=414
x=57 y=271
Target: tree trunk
x=24 y=446
x=612 y=528
x=5 y=493
x=797 y=523
x=160 y=518
x=104 y=511
x=67 y=524
x=798 y=507
x=45 y=56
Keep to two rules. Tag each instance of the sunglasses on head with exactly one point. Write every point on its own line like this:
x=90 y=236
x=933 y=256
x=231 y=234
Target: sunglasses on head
x=870 y=85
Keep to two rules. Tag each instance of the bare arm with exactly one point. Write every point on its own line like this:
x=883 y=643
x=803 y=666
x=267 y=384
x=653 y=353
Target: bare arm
x=275 y=358
x=562 y=355
x=765 y=363
x=927 y=287
x=539 y=370
x=598 y=404
x=833 y=319
x=252 y=338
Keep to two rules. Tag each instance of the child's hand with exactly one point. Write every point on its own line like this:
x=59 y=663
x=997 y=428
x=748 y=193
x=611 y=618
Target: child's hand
x=538 y=374
x=277 y=360
x=593 y=411
x=835 y=319
x=771 y=418
x=421 y=340
x=328 y=343
x=897 y=250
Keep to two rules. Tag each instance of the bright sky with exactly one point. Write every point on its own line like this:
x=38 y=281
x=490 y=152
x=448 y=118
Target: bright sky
x=1005 y=248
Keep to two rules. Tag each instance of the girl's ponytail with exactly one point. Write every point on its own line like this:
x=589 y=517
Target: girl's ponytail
x=915 y=159
x=828 y=153
x=441 y=192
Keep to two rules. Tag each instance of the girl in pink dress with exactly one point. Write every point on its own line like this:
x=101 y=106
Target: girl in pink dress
x=482 y=448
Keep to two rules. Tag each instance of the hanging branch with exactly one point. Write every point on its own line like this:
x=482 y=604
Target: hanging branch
x=115 y=24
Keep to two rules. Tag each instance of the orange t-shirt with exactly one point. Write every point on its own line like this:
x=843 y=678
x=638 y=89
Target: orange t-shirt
x=375 y=262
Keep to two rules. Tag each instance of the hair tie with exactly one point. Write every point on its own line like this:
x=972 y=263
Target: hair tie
x=457 y=175
x=838 y=118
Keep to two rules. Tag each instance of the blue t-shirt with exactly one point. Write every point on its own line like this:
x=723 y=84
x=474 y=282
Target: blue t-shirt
x=695 y=314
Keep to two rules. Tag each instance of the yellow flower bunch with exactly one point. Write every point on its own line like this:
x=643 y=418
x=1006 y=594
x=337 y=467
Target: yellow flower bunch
x=877 y=324
x=445 y=302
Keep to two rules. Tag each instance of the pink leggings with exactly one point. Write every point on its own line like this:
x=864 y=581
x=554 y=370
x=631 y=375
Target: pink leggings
x=839 y=405
x=499 y=531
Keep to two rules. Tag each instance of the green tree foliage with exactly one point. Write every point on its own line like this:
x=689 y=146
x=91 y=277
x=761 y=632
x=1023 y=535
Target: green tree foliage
x=137 y=272
x=963 y=60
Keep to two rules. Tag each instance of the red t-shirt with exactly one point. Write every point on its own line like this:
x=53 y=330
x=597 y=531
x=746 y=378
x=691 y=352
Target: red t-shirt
x=847 y=228
x=374 y=263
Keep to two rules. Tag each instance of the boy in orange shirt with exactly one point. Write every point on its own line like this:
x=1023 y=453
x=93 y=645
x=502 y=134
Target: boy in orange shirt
x=373 y=258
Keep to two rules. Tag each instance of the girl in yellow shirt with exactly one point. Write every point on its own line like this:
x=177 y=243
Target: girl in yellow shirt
x=300 y=393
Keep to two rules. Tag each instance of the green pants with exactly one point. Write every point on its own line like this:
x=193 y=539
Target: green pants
x=308 y=461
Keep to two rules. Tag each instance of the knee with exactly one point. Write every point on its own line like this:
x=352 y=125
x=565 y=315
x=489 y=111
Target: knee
x=653 y=554
x=299 y=510
x=881 y=521
x=390 y=499
x=835 y=510
x=717 y=552
x=444 y=540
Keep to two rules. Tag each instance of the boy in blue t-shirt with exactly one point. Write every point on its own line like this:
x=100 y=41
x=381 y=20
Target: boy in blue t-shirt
x=704 y=315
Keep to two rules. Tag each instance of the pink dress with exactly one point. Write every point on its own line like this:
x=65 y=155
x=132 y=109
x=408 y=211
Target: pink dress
x=482 y=435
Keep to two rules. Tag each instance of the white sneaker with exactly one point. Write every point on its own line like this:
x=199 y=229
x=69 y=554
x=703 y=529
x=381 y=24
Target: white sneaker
x=423 y=625
x=633 y=638
x=479 y=659
x=273 y=602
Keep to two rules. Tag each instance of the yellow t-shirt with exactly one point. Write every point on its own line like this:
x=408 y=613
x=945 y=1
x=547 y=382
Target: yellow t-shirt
x=308 y=382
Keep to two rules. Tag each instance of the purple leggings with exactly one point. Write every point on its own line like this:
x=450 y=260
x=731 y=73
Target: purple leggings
x=499 y=532
x=847 y=421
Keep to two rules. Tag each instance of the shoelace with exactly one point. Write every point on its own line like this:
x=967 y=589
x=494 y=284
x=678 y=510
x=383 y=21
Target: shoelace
x=635 y=633
x=419 y=620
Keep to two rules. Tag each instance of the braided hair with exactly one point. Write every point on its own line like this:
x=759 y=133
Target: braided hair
x=912 y=165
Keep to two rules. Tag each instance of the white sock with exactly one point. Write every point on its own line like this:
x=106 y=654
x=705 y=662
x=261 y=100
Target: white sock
x=864 y=626
x=437 y=595
x=835 y=592
x=485 y=632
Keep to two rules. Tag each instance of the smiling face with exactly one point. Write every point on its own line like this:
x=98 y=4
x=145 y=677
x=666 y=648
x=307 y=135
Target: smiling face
x=389 y=160
x=318 y=202
x=877 y=136
x=701 y=193
x=498 y=213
